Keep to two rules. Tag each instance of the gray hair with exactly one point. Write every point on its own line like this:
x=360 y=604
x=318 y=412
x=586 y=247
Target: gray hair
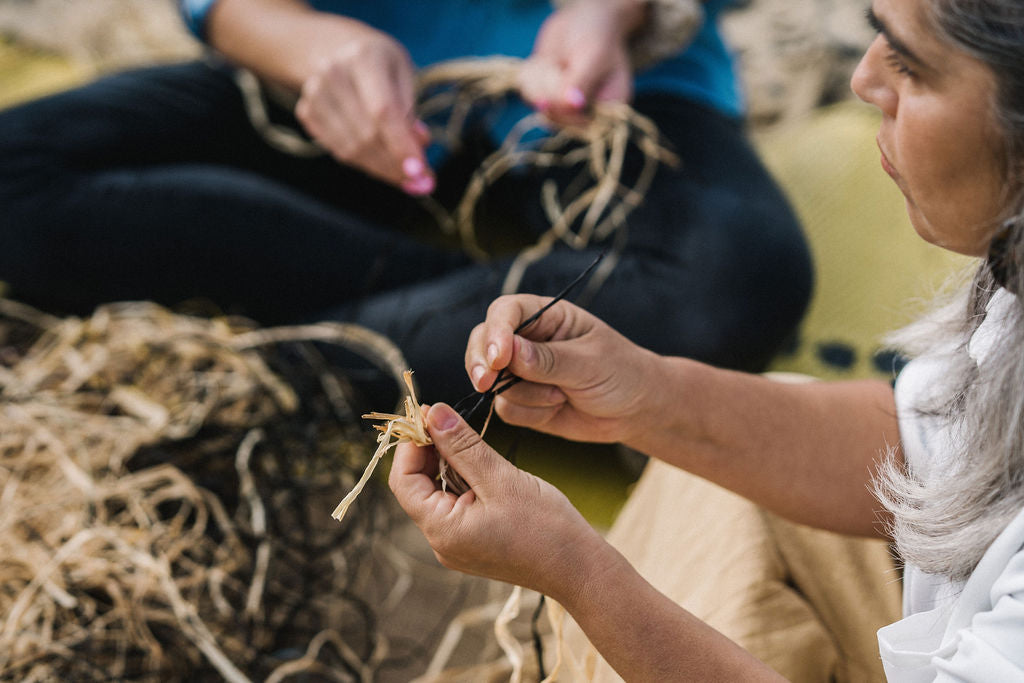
x=944 y=524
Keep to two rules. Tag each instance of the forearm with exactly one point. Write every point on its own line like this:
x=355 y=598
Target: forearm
x=629 y=14
x=277 y=39
x=806 y=451
x=645 y=636
x=513 y=527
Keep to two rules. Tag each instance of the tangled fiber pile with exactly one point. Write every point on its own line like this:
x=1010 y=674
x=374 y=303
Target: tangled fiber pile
x=165 y=502
x=594 y=204
x=588 y=206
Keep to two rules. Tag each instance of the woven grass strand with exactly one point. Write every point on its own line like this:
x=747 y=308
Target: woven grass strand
x=116 y=560
x=597 y=201
x=592 y=207
x=398 y=429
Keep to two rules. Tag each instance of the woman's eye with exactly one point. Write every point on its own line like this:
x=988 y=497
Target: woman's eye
x=896 y=63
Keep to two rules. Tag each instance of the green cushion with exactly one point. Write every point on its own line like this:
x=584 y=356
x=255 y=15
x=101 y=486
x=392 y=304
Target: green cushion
x=874 y=273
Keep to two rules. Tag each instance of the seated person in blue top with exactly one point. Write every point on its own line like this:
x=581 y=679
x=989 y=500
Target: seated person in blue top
x=943 y=453
x=155 y=184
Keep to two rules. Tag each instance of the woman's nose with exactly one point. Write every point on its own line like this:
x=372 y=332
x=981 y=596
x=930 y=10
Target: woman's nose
x=869 y=81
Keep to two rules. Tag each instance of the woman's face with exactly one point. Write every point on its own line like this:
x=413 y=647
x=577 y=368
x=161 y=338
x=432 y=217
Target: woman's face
x=938 y=138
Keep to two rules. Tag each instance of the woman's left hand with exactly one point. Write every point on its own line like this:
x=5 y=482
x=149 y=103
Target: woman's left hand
x=581 y=56
x=510 y=526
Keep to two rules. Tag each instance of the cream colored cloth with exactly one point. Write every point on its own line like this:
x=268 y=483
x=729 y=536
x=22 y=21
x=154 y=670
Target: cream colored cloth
x=805 y=601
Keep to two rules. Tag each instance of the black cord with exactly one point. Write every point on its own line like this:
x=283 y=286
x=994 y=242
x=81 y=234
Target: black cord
x=505 y=379
x=538 y=643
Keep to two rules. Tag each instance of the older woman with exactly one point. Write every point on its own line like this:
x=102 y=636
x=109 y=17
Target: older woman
x=937 y=464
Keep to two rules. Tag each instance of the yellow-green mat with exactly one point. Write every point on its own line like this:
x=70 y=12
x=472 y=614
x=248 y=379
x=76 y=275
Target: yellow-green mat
x=26 y=73
x=874 y=273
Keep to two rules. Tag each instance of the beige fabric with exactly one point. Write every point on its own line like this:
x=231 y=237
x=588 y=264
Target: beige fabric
x=805 y=601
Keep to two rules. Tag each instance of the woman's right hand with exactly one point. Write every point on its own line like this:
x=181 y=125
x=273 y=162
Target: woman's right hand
x=582 y=380
x=358 y=102
x=356 y=84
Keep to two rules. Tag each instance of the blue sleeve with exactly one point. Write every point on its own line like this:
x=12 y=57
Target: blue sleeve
x=194 y=12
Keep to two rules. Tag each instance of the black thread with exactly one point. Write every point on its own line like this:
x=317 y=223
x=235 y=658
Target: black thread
x=505 y=379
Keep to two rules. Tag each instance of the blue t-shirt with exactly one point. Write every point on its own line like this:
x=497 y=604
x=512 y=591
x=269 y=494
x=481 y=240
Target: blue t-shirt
x=440 y=30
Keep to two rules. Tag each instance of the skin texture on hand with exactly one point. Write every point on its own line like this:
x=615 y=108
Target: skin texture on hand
x=358 y=103
x=581 y=56
x=511 y=525
x=571 y=388
x=760 y=438
x=356 y=84
x=514 y=527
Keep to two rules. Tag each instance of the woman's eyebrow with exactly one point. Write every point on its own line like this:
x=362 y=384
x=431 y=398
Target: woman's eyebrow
x=897 y=45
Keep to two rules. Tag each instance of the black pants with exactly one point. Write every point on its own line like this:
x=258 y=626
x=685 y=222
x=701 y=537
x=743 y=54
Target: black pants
x=152 y=184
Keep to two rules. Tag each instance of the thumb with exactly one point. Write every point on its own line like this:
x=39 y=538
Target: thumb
x=559 y=363
x=539 y=81
x=463 y=448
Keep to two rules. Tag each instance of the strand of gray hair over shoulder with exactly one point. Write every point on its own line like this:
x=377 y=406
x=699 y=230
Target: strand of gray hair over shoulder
x=943 y=524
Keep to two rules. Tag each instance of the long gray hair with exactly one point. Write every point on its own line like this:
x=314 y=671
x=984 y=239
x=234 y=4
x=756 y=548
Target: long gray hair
x=943 y=524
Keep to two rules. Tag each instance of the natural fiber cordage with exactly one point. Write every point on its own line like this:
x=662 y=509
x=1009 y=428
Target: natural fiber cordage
x=592 y=207
x=162 y=487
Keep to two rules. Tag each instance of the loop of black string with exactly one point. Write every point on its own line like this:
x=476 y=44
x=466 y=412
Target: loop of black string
x=505 y=379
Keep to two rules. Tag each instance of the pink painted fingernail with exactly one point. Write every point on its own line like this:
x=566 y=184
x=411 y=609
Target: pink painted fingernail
x=575 y=98
x=422 y=128
x=543 y=105
x=413 y=167
x=419 y=186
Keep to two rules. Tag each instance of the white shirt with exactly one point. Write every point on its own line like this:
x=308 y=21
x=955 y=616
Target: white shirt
x=972 y=631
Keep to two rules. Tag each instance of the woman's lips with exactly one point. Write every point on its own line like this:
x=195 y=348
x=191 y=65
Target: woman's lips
x=886 y=166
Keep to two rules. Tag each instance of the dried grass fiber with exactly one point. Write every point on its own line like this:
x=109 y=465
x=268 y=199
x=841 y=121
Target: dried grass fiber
x=165 y=499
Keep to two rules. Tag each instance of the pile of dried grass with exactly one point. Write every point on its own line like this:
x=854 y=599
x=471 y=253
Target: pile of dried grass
x=165 y=503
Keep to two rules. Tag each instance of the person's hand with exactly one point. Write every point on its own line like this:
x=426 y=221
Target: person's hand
x=358 y=103
x=582 y=380
x=510 y=526
x=581 y=56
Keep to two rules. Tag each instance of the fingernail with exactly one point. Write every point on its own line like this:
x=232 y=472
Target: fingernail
x=413 y=167
x=575 y=98
x=476 y=373
x=422 y=128
x=542 y=105
x=492 y=354
x=442 y=417
x=419 y=186
x=524 y=349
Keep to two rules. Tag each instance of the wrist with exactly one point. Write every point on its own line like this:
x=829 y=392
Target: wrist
x=630 y=14
x=668 y=27
x=652 y=376
x=588 y=574
x=654 y=29
x=668 y=420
